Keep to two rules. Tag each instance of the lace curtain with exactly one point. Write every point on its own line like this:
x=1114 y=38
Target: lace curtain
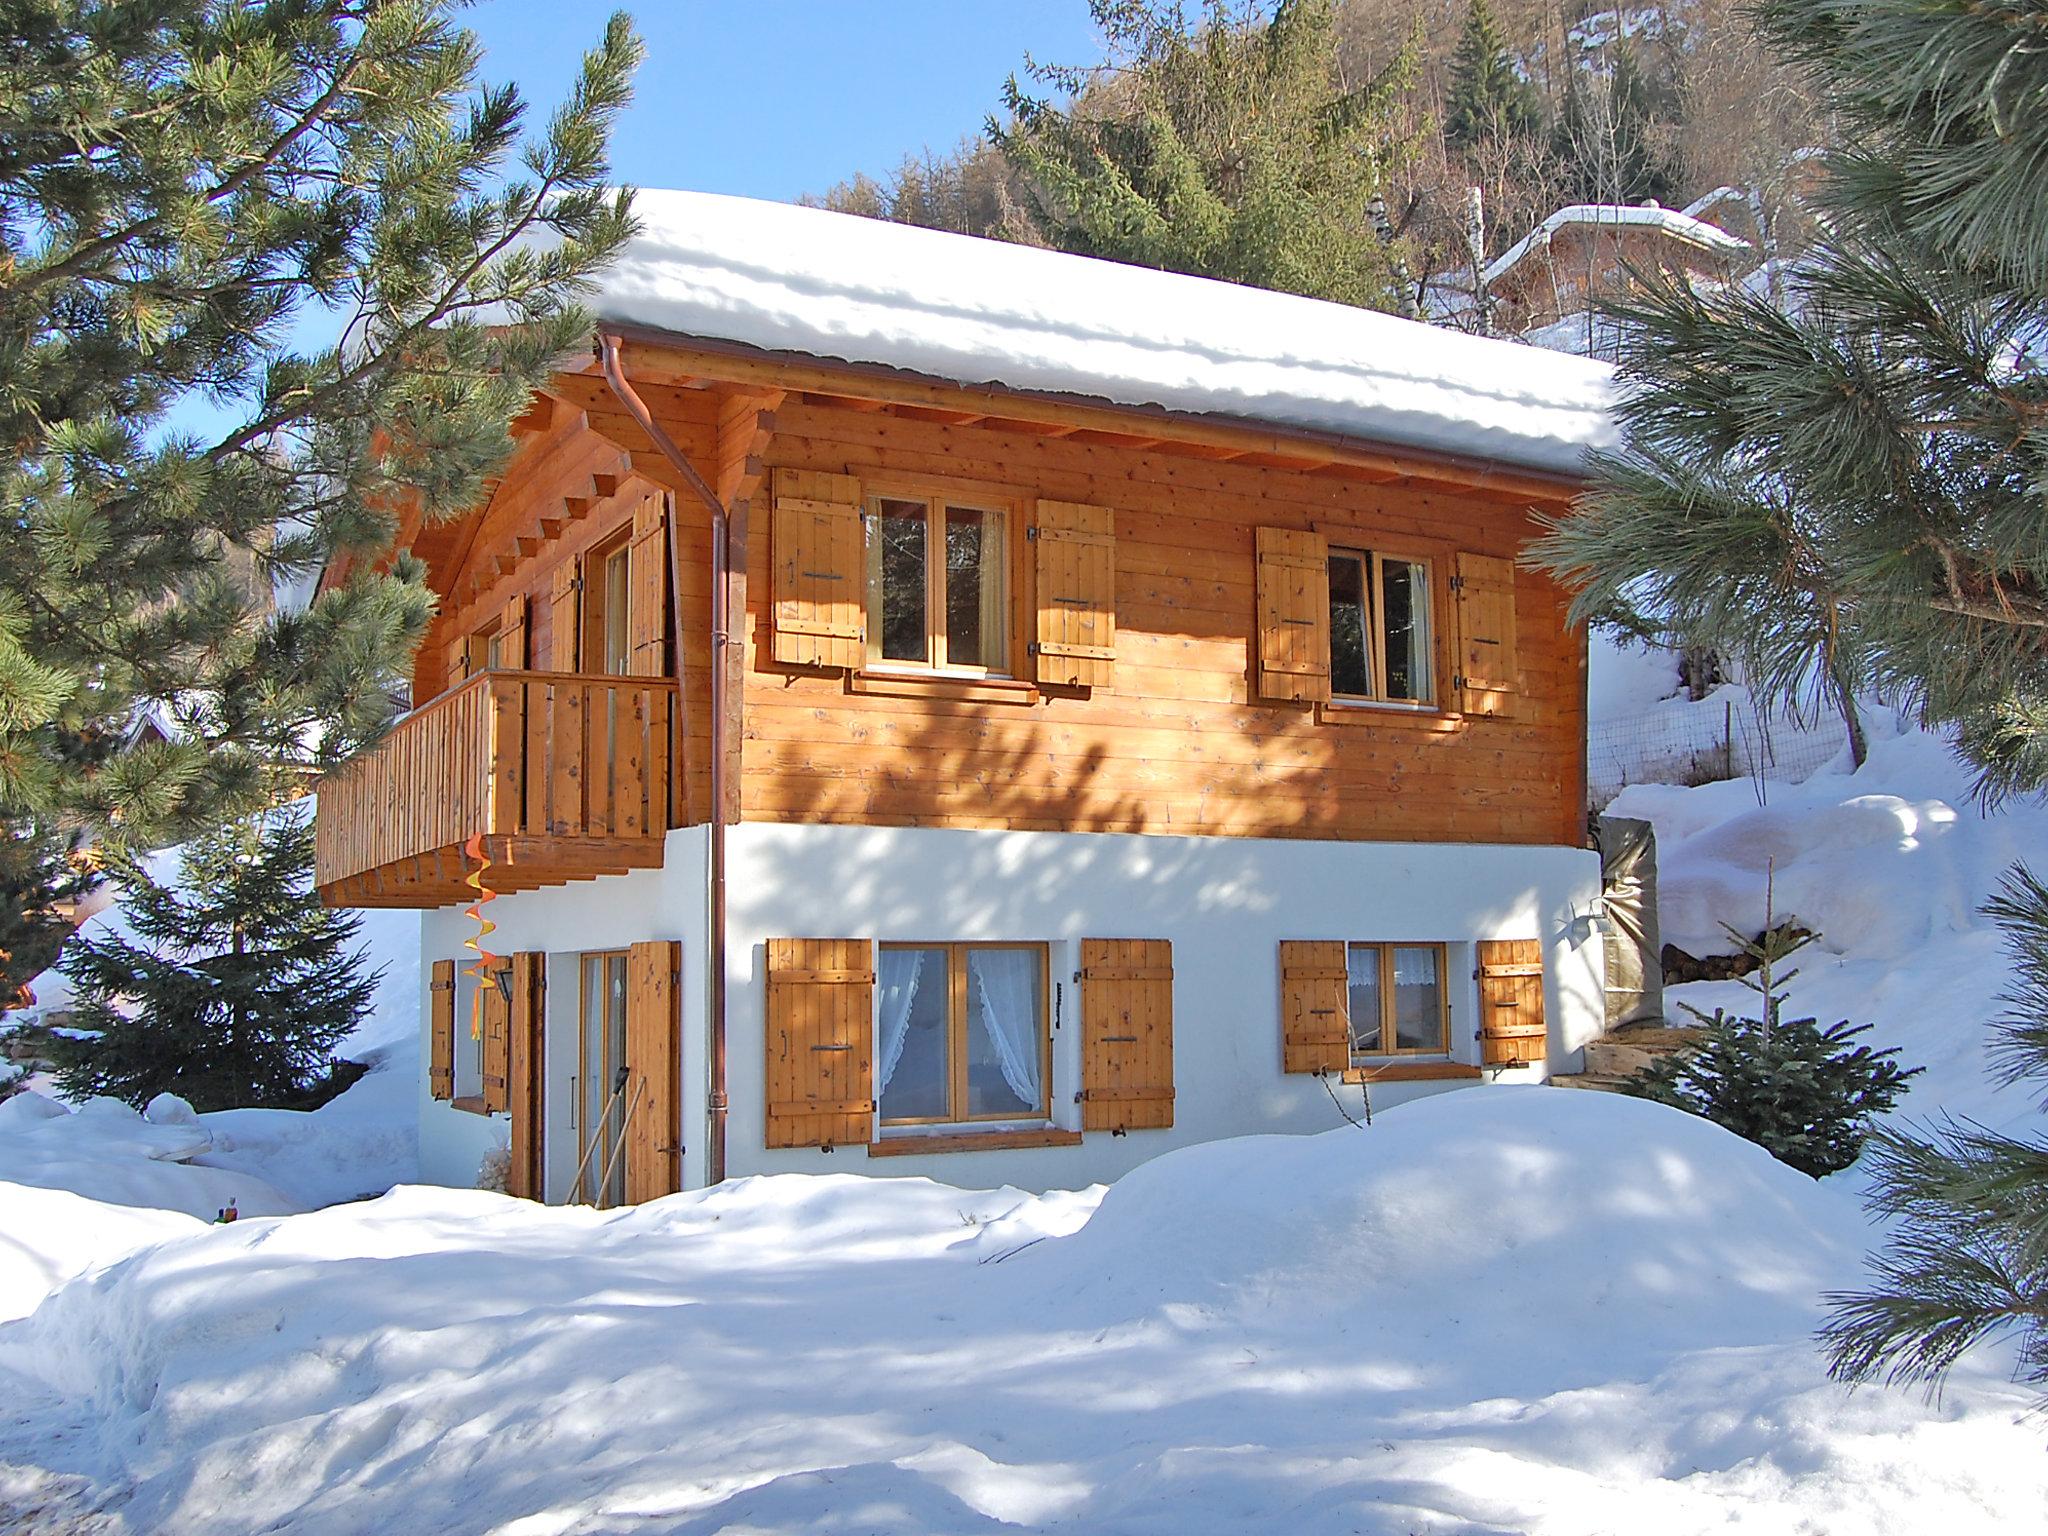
x=899 y=972
x=1004 y=984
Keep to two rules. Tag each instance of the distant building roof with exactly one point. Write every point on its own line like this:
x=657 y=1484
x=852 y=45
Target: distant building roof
x=1680 y=226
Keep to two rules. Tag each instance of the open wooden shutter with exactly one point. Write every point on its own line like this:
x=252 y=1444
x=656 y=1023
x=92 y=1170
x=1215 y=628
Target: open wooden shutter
x=512 y=634
x=1511 y=1029
x=529 y=1006
x=653 y=1136
x=496 y=1054
x=564 y=619
x=1483 y=594
x=1315 y=1006
x=461 y=659
x=441 y=1043
x=820 y=580
x=1126 y=1034
x=647 y=576
x=820 y=1042
x=1076 y=574
x=1294 y=614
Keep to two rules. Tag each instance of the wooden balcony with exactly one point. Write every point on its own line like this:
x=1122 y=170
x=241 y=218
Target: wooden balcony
x=567 y=778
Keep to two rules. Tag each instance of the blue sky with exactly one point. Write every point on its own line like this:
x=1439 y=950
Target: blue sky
x=774 y=98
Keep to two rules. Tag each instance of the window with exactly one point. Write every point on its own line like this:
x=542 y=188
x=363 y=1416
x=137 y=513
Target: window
x=596 y=1096
x=962 y=1033
x=1398 y=1003
x=485 y=650
x=937 y=594
x=607 y=642
x=1379 y=628
x=469 y=1045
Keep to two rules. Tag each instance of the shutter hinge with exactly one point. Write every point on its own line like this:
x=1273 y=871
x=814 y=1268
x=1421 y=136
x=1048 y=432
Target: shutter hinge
x=1031 y=649
x=1031 y=534
x=1457 y=583
x=1458 y=680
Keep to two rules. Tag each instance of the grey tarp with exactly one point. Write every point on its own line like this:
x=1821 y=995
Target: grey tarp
x=1628 y=881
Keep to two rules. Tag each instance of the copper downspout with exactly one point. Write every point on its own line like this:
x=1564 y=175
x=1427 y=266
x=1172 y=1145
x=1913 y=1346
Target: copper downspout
x=610 y=350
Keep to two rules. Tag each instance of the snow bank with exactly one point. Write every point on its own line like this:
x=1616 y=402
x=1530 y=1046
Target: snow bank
x=49 y=1235
x=1519 y=1310
x=1892 y=865
x=976 y=311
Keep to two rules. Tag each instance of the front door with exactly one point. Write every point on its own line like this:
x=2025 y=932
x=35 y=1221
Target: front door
x=601 y=1080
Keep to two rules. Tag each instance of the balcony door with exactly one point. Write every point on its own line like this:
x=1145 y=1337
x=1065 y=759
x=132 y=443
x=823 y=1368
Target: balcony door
x=608 y=607
x=601 y=1080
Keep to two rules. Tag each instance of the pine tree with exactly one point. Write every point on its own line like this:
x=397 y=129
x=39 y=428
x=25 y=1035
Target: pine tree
x=189 y=190
x=1488 y=98
x=1230 y=149
x=237 y=986
x=1848 y=491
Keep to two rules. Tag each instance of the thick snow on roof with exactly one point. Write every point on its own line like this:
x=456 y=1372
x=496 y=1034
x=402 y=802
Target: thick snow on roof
x=1649 y=215
x=972 y=311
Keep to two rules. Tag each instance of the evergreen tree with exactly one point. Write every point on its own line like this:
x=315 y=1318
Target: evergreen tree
x=189 y=190
x=1606 y=134
x=237 y=986
x=41 y=875
x=1488 y=98
x=1849 y=491
x=1231 y=149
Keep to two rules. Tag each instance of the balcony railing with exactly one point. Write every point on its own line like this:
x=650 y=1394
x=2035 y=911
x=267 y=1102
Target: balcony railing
x=565 y=776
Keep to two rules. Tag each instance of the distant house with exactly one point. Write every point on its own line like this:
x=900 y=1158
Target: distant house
x=935 y=706
x=1546 y=287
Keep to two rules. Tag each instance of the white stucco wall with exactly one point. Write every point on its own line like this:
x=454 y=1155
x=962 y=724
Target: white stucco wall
x=1226 y=903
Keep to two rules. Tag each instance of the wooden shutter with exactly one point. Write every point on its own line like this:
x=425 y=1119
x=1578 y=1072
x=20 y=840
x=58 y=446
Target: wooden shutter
x=820 y=1042
x=647 y=580
x=1483 y=595
x=1294 y=614
x=1315 y=1006
x=564 y=617
x=1076 y=575
x=820 y=570
x=441 y=1043
x=654 y=1162
x=512 y=634
x=1511 y=1028
x=496 y=1053
x=461 y=660
x=1126 y=1034
x=529 y=1006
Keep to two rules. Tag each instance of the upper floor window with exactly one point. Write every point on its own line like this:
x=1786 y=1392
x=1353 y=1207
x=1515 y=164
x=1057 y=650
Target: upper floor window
x=607 y=636
x=1398 y=1002
x=962 y=1033
x=1380 y=631
x=937 y=588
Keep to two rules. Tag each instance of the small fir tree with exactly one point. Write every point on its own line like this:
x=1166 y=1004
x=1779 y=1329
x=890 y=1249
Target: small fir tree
x=1488 y=98
x=1233 y=148
x=1806 y=1095
x=237 y=985
x=1966 y=1257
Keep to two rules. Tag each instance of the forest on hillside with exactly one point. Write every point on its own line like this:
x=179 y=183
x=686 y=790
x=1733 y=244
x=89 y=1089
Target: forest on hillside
x=1332 y=147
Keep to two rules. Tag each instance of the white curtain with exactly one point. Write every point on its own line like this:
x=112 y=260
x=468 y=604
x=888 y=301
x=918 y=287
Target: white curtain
x=1005 y=982
x=900 y=969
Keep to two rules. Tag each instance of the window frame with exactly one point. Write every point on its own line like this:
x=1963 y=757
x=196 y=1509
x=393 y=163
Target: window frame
x=1389 y=1051
x=1372 y=562
x=599 y=961
x=957 y=952
x=990 y=503
x=594 y=612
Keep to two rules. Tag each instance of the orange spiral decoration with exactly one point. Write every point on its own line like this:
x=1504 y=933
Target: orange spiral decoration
x=485 y=962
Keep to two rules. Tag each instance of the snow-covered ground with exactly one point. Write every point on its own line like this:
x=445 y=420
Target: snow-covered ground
x=1503 y=1310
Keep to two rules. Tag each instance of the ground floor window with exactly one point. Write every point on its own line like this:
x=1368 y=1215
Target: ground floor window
x=468 y=1043
x=1399 y=1005
x=597 y=1091
x=962 y=1033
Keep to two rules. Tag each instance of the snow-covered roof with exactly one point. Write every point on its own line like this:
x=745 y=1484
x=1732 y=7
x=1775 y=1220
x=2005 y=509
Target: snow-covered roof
x=832 y=285
x=1649 y=216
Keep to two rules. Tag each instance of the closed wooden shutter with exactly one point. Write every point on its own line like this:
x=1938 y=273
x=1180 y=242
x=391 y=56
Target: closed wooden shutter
x=1315 y=1006
x=820 y=570
x=1126 y=1034
x=654 y=1161
x=441 y=1041
x=1487 y=673
x=820 y=1042
x=1076 y=578
x=512 y=634
x=529 y=1007
x=647 y=577
x=496 y=1052
x=564 y=617
x=1294 y=614
x=1511 y=1028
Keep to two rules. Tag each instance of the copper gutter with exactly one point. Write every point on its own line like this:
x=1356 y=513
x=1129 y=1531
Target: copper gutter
x=611 y=351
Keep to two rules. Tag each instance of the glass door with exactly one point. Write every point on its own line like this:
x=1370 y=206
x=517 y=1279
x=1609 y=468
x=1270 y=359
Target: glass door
x=601 y=1080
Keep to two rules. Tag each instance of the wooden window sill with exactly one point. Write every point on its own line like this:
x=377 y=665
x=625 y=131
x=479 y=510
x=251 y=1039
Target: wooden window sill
x=971 y=688
x=470 y=1105
x=1413 y=1072
x=1383 y=712
x=973 y=1141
